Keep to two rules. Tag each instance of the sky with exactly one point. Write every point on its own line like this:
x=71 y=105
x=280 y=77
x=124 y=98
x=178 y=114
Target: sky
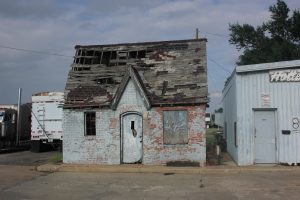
x=56 y=26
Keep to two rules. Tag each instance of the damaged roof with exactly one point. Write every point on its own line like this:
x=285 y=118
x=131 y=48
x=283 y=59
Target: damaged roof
x=168 y=72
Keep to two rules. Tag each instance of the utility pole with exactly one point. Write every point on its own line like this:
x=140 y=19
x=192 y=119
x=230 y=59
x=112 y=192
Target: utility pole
x=19 y=117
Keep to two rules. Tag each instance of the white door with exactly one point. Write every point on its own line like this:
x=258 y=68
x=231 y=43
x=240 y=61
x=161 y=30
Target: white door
x=132 y=141
x=264 y=137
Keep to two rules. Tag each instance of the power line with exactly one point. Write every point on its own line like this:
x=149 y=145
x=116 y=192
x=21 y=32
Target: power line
x=217 y=34
x=34 y=51
x=220 y=66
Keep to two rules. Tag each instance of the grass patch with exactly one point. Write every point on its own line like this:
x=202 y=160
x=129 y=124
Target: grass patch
x=210 y=138
x=57 y=158
x=211 y=131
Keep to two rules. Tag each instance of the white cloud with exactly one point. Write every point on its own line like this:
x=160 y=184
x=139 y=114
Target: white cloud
x=59 y=25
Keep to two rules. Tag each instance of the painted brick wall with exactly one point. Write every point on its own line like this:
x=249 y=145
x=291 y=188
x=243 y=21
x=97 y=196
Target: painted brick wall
x=78 y=148
x=104 y=148
x=156 y=153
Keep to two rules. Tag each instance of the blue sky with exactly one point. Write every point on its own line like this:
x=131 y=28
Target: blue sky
x=57 y=26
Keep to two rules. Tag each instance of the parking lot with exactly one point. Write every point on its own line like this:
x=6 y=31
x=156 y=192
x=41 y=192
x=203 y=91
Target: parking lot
x=20 y=167
x=20 y=180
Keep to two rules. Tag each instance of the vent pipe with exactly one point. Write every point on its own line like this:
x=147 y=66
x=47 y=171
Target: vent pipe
x=197 y=34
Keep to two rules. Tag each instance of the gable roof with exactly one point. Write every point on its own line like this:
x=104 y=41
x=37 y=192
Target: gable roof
x=166 y=73
x=133 y=75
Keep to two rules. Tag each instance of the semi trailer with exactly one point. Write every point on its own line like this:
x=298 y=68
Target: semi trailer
x=46 y=123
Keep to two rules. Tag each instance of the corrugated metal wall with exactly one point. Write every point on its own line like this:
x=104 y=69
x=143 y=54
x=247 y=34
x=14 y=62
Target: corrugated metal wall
x=284 y=96
x=230 y=115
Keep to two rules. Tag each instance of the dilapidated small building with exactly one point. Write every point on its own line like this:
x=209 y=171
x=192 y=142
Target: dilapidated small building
x=136 y=103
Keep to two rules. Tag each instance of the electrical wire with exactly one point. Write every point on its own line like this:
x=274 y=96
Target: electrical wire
x=216 y=34
x=34 y=51
x=220 y=66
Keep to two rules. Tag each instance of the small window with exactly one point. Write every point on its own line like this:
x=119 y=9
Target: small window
x=90 y=123
x=175 y=127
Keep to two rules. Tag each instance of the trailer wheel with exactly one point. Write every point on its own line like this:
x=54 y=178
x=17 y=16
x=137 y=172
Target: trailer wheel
x=35 y=146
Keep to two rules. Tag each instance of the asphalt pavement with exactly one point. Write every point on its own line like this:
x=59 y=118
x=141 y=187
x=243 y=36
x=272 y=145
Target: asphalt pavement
x=21 y=180
x=225 y=186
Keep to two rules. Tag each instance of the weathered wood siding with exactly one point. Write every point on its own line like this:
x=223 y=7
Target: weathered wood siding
x=172 y=72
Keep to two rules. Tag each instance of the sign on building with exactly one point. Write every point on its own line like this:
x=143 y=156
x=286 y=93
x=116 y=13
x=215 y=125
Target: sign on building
x=289 y=75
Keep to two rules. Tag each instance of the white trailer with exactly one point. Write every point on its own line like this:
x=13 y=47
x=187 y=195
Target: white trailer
x=46 y=121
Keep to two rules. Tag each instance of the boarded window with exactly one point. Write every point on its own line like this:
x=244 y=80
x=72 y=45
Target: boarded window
x=90 y=123
x=175 y=127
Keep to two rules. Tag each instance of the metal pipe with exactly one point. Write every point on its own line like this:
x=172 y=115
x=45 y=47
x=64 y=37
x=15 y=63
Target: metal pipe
x=197 y=33
x=19 y=117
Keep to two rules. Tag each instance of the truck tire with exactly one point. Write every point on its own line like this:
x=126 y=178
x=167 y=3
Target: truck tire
x=35 y=146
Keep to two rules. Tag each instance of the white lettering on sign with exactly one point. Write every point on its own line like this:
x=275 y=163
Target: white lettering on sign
x=285 y=75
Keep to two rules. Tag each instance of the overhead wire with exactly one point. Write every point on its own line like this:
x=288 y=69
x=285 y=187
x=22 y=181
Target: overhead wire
x=219 y=65
x=34 y=51
x=216 y=34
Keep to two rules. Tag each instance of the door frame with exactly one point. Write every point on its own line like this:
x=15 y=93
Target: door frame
x=121 y=133
x=276 y=132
